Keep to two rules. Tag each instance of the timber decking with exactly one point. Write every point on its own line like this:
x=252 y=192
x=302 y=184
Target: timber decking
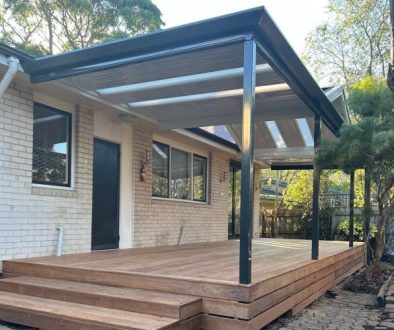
x=194 y=284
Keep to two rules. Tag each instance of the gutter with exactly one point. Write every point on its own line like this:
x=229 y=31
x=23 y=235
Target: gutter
x=13 y=65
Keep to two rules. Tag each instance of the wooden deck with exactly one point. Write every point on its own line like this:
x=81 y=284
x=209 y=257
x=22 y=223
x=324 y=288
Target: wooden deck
x=187 y=287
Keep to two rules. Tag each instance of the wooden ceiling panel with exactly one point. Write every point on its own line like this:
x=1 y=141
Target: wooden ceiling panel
x=290 y=132
x=205 y=60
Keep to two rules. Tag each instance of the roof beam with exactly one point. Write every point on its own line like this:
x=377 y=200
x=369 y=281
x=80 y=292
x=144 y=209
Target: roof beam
x=183 y=80
x=278 y=153
x=207 y=96
x=189 y=119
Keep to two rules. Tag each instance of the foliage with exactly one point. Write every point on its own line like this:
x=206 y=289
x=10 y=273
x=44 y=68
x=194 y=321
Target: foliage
x=358 y=233
x=48 y=26
x=368 y=144
x=353 y=43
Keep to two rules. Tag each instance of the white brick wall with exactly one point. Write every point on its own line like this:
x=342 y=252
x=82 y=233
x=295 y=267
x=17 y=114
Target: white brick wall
x=30 y=214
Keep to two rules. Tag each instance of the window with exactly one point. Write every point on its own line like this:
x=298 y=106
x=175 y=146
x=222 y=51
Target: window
x=199 y=178
x=160 y=164
x=51 y=146
x=178 y=174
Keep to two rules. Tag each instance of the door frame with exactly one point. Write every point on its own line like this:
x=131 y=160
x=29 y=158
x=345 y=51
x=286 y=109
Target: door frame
x=118 y=147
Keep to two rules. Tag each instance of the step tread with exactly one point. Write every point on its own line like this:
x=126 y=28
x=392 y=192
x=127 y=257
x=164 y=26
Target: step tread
x=84 y=313
x=104 y=290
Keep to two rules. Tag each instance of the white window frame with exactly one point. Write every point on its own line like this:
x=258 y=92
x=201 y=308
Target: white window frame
x=69 y=108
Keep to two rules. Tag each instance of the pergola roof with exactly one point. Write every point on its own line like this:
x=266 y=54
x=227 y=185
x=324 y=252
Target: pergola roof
x=192 y=76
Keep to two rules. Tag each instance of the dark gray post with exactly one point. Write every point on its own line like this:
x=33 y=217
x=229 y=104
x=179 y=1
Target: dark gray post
x=316 y=191
x=351 y=209
x=249 y=84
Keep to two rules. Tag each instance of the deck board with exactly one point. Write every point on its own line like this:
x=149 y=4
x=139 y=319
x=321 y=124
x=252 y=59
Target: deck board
x=210 y=261
x=283 y=277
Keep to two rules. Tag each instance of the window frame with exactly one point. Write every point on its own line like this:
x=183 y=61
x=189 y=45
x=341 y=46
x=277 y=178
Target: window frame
x=191 y=160
x=168 y=171
x=69 y=115
x=205 y=199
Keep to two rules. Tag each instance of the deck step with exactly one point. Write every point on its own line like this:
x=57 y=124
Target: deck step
x=48 y=314
x=174 y=306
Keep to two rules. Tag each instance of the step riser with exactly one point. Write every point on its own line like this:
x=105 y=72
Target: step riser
x=95 y=300
x=46 y=322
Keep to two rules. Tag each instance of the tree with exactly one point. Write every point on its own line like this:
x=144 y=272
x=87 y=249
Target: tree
x=352 y=44
x=44 y=27
x=368 y=144
x=275 y=177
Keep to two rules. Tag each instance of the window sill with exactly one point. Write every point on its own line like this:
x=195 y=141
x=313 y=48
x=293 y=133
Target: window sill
x=178 y=200
x=57 y=191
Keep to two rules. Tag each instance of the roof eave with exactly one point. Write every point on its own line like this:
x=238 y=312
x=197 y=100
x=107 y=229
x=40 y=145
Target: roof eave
x=214 y=28
x=271 y=43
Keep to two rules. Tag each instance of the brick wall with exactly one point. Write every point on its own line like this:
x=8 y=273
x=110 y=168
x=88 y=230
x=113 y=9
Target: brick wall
x=30 y=214
x=158 y=221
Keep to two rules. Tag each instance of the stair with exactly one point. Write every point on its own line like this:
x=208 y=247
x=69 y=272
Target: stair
x=59 y=304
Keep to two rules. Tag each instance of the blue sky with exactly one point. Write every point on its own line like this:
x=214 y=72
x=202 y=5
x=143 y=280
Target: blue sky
x=294 y=17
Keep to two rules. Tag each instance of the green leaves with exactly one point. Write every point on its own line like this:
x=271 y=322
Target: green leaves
x=369 y=141
x=352 y=44
x=50 y=26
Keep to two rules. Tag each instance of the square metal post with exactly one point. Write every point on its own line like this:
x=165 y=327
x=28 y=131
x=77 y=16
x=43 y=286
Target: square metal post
x=316 y=191
x=351 y=209
x=249 y=84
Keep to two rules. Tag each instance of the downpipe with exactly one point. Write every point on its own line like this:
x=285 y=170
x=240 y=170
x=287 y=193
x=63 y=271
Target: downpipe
x=13 y=65
x=59 y=246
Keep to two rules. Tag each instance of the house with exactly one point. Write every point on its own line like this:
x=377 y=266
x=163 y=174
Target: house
x=100 y=149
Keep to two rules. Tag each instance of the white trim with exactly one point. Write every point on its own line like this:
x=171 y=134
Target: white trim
x=182 y=80
x=207 y=96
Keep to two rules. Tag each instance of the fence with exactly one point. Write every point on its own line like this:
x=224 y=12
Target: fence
x=299 y=225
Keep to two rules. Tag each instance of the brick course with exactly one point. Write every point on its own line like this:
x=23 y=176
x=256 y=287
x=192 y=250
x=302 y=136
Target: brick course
x=158 y=221
x=29 y=214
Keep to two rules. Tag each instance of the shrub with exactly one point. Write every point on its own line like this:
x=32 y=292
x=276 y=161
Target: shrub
x=358 y=234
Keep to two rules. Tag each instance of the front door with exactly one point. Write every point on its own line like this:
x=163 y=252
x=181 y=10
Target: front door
x=105 y=213
x=234 y=201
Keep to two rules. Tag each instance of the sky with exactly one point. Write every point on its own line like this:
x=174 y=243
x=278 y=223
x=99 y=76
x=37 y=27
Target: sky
x=295 y=18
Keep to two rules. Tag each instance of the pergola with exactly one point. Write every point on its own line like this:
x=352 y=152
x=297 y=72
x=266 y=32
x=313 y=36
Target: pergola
x=236 y=70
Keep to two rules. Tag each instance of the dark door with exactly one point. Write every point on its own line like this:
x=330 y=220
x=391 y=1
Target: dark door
x=234 y=200
x=105 y=214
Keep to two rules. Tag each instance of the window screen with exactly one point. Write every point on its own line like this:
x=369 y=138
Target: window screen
x=51 y=146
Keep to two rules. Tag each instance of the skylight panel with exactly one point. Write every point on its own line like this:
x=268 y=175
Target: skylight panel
x=278 y=138
x=305 y=131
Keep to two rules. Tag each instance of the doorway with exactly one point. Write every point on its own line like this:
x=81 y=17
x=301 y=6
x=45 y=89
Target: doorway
x=105 y=213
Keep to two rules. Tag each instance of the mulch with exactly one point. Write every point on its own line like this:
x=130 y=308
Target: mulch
x=369 y=281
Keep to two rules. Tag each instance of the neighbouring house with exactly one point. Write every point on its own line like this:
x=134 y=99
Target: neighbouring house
x=102 y=149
